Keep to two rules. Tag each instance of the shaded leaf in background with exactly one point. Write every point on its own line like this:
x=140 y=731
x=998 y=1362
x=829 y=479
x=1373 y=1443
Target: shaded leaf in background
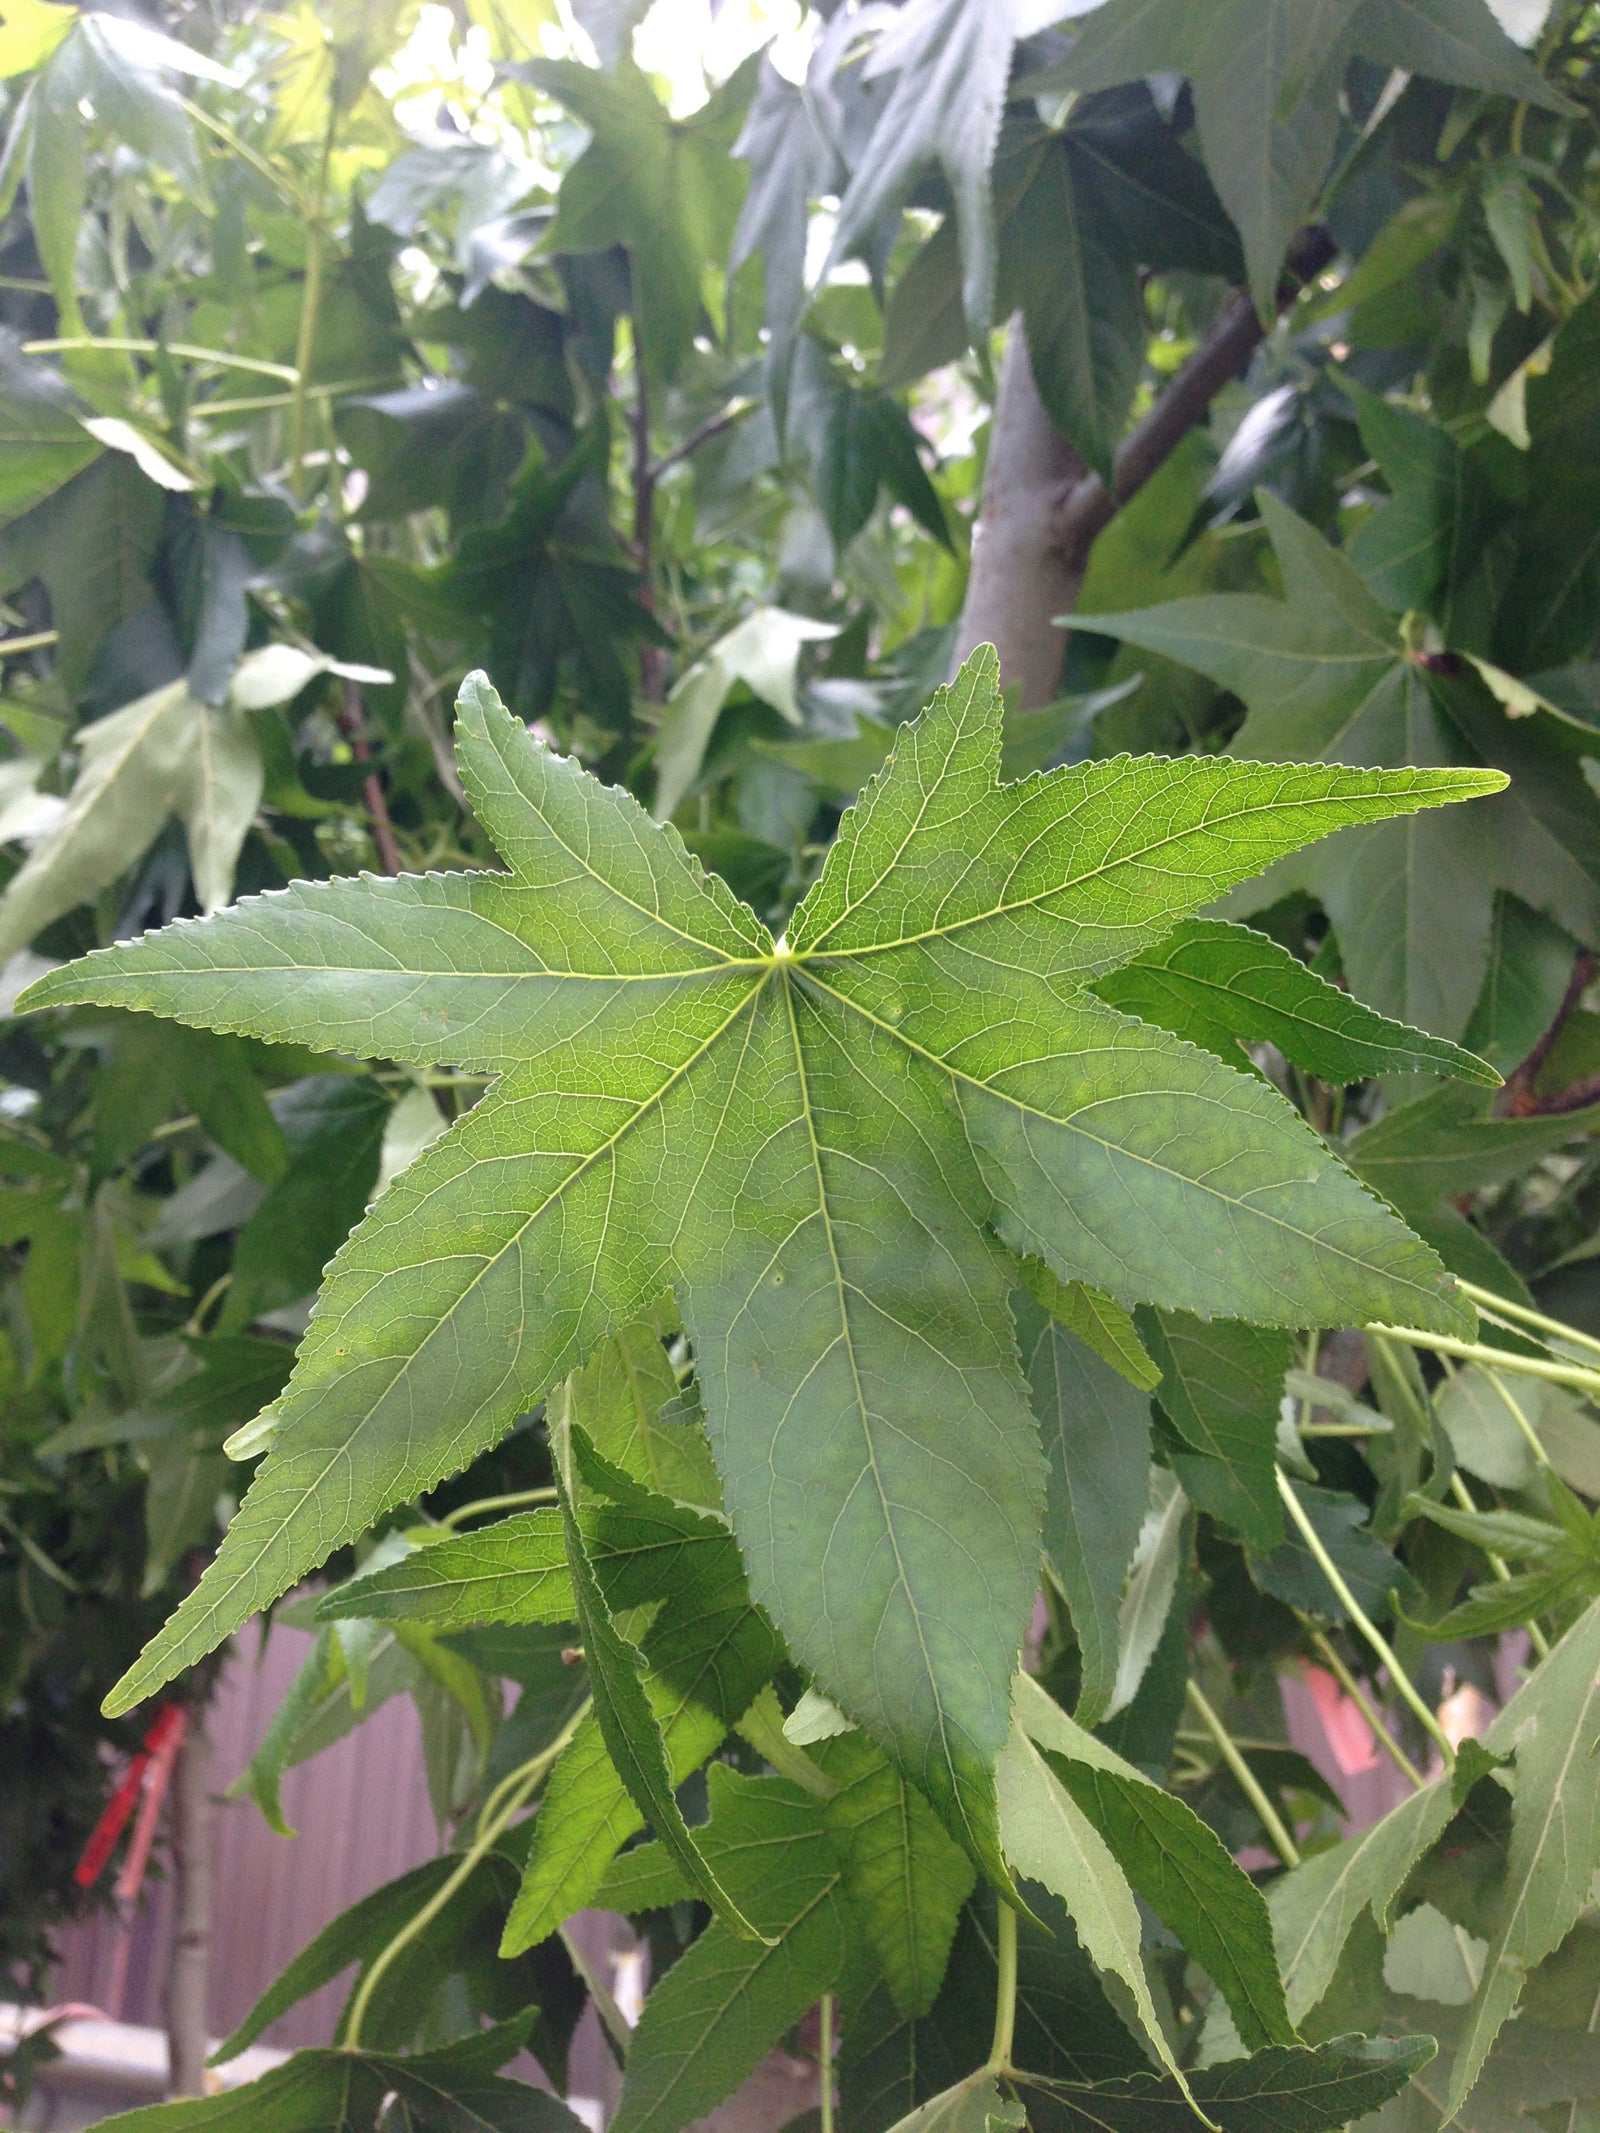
x=1221 y=1385
x=1096 y=1430
x=1280 y=2090
x=1326 y=674
x=725 y=2001
x=763 y=652
x=1267 y=77
x=663 y=187
x=442 y=2091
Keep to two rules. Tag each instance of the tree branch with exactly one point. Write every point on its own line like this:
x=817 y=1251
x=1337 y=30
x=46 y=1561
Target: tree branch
x=1517 y=1099
x=1043 y=509
x=352 y=724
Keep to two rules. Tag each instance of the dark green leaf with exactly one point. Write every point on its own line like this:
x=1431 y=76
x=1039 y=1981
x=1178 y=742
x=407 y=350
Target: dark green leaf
x=714 y=2014
x=1096 y=1429
x=1221 y=1386
x=453 y=2090
x=1281 y=2090
x=1223 y=986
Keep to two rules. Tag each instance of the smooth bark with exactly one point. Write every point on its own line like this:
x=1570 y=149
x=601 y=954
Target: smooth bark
x=189 y=1965
x=1043 y=508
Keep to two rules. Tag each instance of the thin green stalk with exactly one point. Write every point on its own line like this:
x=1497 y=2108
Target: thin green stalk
x=310 y=305
x=1527 y=1366
x=1364 y=1622
x=1005 y=1993
x=500 y=1810
x=276 y=178
x=71 y=343
x=1530 y=1435
x=1328 y=1653
x=1523 y=1314
x=825 y=2062
x=482 y=1504
x=1249 y=1784
x=332 y=390
x=1498 y=1564
x=12 y=646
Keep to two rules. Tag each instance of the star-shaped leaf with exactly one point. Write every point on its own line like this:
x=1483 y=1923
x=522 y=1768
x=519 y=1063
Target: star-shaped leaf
x=818 y=1144
x=1267 y=77
x=663 y=187
x=1330 y=673
x=950 y=61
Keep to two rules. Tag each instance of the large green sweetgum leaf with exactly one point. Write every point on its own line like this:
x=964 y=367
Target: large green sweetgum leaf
x=822 y=1145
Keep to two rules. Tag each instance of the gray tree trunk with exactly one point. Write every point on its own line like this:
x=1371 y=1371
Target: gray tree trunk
x=1021 y=579
x=188 y=1970
x=1043 y=509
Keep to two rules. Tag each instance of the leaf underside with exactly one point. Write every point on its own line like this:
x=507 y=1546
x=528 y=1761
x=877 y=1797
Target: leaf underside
x=822 y=1147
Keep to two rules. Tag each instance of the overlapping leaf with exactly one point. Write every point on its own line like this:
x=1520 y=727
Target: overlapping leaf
x=809 y=1143
x=1329 y=675
x=1267 y=76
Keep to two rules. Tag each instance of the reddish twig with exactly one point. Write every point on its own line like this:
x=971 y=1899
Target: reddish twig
x=352 y=724
x=1517 y=1099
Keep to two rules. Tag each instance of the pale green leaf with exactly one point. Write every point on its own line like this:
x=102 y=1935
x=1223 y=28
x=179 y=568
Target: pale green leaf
x=1047 y=1837
x=638 y=1418
x=30 y=30
x=809 y=1145
x=1317 y=1906
x=763 y=652
x=1178 y=1865
x=1553 y=1725
x=1151 y=1585
x=131 y=766
x=976 y=2105
x=1099 y=1323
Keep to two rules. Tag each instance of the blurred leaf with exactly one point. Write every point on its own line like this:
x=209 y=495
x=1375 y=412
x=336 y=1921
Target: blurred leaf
x=763 y=652
x=663 y=187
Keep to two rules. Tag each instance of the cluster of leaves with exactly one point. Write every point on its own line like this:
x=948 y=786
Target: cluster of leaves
x=854 y=1249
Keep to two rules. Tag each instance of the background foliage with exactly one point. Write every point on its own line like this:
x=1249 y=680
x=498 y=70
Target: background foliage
x=350 y=348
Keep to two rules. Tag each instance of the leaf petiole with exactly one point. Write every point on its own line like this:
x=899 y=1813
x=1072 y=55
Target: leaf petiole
x=1328 y=1653
x=484 y=1504
x=1005 y=1993
x=1249 y=1784
x=1380 y=1644
x=1528 y=1366
x=499 y=1811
